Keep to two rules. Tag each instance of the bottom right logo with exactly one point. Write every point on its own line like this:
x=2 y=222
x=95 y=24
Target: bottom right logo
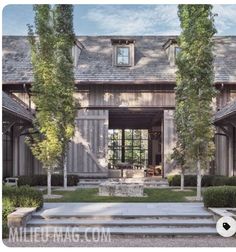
x=226 y=226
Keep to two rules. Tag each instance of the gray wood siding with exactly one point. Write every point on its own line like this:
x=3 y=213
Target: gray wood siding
x=88 y=150
x=101 y=97
x=27 y=164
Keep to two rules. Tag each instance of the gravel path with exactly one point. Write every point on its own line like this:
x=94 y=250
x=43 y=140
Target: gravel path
x=119 y=241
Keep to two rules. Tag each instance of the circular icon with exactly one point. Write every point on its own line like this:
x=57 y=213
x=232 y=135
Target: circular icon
x=226 y=226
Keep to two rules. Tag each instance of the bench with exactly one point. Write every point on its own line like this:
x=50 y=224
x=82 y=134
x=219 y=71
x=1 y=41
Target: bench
x=11 y=181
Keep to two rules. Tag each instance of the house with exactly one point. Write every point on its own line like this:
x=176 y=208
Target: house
x=124 y=88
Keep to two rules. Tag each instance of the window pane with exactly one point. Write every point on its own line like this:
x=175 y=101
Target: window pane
x=123 y=51
x=137 y=143
x=122 y=56
x=122 y=60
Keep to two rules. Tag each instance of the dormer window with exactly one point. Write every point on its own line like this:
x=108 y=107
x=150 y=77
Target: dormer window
x=171 y=48
x=123 y=52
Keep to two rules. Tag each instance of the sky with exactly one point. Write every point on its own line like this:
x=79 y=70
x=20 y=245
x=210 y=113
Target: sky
x=119 y=19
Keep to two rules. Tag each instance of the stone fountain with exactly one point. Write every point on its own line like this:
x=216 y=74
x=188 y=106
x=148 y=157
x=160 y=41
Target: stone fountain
x=123 y=187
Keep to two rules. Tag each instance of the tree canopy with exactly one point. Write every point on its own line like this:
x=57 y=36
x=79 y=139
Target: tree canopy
x=195 y=79
x=53 y=85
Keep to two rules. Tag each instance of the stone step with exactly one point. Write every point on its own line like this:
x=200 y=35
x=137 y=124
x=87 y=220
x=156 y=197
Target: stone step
x=163 y=231
x=122 y=222
x=112 y=215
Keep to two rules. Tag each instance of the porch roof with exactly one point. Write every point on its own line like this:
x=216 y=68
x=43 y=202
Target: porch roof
x=95 y=61
x=227 y=111
x=13 y=107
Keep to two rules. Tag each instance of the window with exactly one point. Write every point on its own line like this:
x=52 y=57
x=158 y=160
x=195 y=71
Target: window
x=123 y=52
x=122 y=56
x=7 y=153
x=135 y=149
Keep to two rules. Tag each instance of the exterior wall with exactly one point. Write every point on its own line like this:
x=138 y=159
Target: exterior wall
x=103 y=97
x=225 y=152
x=27 y=164
x=87 y=155
x=221 y=161
x=224 y=140
x=100 y=96
x=24 y=163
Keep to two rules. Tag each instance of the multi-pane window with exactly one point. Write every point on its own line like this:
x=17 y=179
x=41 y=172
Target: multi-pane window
x=114 y=146
x=135 y=148
x=122 y=56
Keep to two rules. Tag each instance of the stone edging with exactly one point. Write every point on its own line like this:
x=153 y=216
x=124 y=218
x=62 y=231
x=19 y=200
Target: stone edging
x=20 y=217
x=222 y=212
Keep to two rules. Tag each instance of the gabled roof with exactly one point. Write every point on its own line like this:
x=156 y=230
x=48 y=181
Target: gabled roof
x=12 y=106
x=95 y=60
x=226 y=112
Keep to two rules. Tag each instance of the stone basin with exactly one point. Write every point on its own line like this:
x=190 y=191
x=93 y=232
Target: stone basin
x=122 y=188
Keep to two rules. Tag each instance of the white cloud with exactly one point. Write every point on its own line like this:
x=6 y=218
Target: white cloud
x=141 y=20
x=152 y=19
x=226 y=19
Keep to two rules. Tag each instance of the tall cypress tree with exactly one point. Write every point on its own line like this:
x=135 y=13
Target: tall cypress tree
x=52 y=88
x=195 y=89
x=64 y=41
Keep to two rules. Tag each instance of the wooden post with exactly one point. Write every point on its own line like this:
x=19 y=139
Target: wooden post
x=169 y=140
x=123 y=146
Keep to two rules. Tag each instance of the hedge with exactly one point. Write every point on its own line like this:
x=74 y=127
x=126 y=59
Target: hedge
x=13 y=197
x=220 y=196
x=23 y=196
x=207 y=180
x=41 y=180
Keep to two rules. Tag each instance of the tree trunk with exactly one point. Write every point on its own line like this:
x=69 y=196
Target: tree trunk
x=199 y=179
x=49 y=183
x=65 y=172
x=182 y=181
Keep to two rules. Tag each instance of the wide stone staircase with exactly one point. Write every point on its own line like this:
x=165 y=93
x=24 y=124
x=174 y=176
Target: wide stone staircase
x=125 y=219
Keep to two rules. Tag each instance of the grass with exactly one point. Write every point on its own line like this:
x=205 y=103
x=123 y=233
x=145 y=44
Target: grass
x=153 y=195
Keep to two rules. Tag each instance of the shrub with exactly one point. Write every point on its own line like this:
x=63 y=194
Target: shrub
x=7 y=208
x=23 y=196
x=41 y=180
x=72 y=180
x=13 y=197
x=220 y=180
x=231 y=181
x=207 y=180
x=25 y=180
x=220 y=196
x=189 y=180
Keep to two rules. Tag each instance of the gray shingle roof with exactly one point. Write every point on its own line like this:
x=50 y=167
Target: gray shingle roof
x=14 y=107
x=95 y=61
x=227 y=111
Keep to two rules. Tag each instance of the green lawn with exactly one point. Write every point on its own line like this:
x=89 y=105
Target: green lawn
x=153 y=195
